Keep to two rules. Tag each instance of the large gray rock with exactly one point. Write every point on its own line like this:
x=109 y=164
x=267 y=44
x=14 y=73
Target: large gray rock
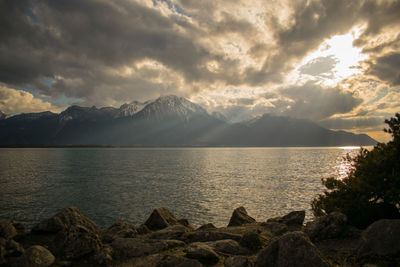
x=381 y=238
x=202 y=252
x=75 y=242
x=240 y=217
x=293 y=218
x=178 y=261
x=160 y=219
x=326 y=227
x=291 y=249
x=68 y=217
x=119 y=229
x=36 y=256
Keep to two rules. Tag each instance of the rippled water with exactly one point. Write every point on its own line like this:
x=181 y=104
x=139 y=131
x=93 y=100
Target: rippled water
x=200 y=184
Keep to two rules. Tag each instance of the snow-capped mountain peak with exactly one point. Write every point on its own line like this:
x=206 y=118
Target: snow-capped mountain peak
x=171 y=105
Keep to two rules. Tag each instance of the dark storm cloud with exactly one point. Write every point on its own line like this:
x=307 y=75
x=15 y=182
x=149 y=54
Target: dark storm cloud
x=81 y=49
x=81 y=40
x=386 y=68
x=314 y=102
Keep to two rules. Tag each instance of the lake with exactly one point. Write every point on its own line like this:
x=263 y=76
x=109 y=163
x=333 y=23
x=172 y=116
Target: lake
x=201 y=184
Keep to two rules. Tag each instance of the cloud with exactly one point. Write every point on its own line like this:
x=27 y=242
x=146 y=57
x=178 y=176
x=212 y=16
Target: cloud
x=354 y=123
x=107 y=52
x=386 y=68
x=320 y=66
x=16 y=101
x=312 y=101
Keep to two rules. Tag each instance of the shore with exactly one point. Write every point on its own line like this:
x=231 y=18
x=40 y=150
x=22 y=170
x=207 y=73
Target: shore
x=69 y=238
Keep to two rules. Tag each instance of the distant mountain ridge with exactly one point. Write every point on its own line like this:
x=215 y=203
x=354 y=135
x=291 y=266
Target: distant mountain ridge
x=166 y=121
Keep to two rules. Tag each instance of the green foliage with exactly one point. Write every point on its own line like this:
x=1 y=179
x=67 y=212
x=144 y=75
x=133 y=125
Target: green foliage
x=371 y=190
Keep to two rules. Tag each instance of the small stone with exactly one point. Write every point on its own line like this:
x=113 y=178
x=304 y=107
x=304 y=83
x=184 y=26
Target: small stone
x=240 y=217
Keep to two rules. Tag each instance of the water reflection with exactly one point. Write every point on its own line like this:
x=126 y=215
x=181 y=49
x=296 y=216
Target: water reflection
x=201 y=184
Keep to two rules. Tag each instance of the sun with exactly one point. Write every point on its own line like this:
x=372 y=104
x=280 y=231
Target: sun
x=339 y=48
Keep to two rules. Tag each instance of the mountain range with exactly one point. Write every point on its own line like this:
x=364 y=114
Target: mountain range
x=166 y=121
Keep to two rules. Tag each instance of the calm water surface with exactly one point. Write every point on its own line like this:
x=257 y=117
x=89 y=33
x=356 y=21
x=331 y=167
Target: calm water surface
x=200 y=184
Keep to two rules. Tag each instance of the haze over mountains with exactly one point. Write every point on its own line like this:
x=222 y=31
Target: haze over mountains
x=166 y=121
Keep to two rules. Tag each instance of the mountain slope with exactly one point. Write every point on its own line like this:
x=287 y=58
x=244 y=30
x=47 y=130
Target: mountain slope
x=166 y=121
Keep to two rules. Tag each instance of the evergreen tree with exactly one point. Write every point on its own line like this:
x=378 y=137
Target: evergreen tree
x=371 y=190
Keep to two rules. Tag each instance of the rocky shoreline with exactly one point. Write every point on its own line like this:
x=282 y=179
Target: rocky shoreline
x=71 y=239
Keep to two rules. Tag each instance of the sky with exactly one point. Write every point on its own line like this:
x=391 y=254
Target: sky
x=336 y=63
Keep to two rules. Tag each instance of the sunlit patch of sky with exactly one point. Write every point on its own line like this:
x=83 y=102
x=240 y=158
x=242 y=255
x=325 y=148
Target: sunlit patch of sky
x=338 y=49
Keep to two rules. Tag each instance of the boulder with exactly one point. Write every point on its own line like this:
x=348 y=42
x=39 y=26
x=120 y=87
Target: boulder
x=251 y=240
x=175 y=232
x=326 y=227
x=103 y=256
x=202 y=252
x=275 y=228
x=240 y=217
x=65 y=219
x=143 y=229
x=205 y=236
x=13 y=248
x=382 y=238
x=238 y=261
x=178 y=261
x=293 y=218
x=229 y=246
x=119 y=229
x=3 y=242
x=7 y=229
x=135 y=247
x=75 y=242
x=207 y=226
x=36 y=256
x=160 y=219
x=291 y=249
